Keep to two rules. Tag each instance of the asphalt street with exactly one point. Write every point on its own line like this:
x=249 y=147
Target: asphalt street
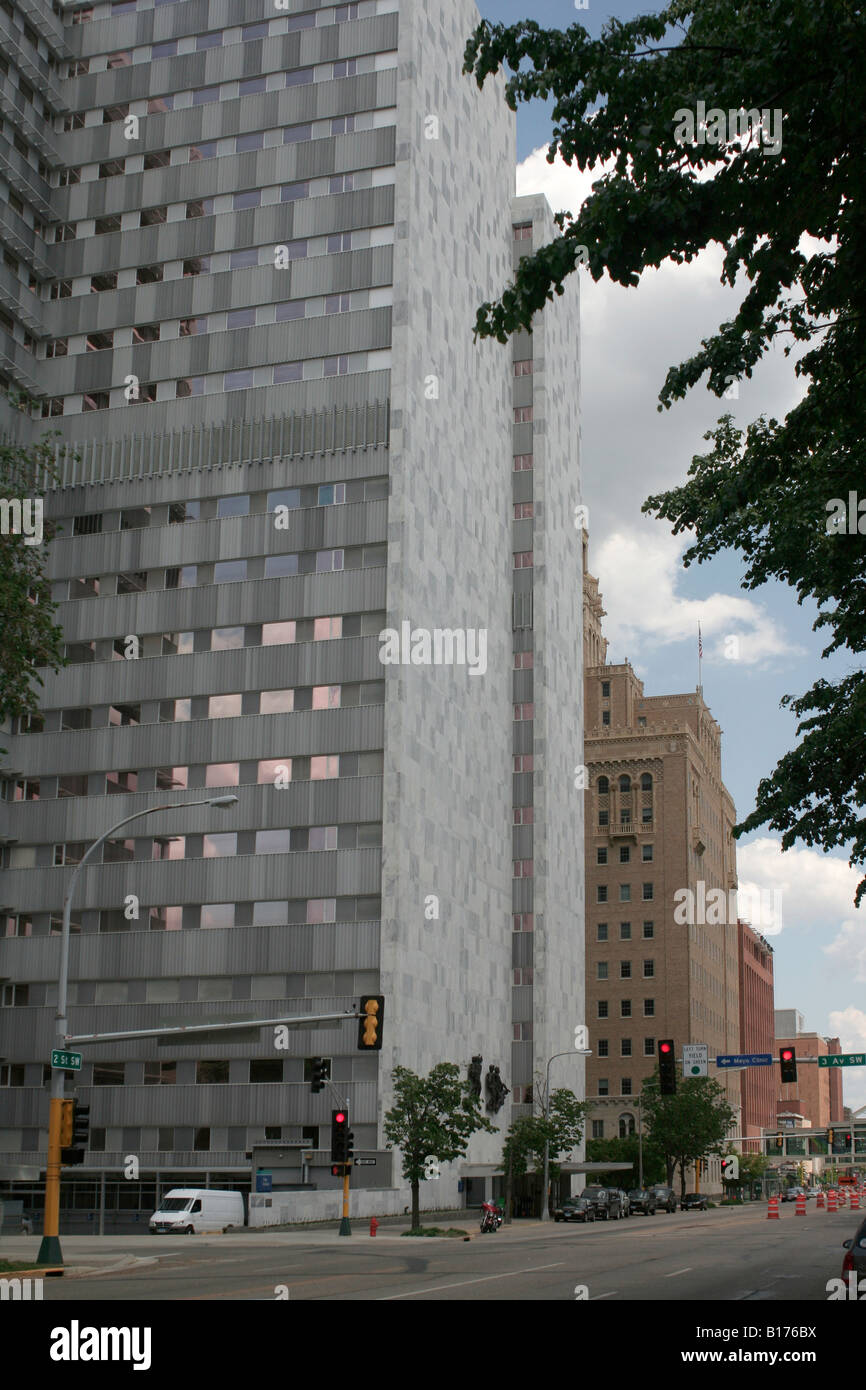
x=723 y=1254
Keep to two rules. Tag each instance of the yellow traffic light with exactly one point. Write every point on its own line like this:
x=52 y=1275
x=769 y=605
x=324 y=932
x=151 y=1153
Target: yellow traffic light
x=830 y=1136
x=370 y=1022
x=780 y=1141
x=67 y=1120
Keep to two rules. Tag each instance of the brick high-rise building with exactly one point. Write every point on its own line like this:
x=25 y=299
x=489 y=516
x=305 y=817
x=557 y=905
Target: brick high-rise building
x=658 y=822
x=758 y=1085
x=817 y=1092
x=243 y=247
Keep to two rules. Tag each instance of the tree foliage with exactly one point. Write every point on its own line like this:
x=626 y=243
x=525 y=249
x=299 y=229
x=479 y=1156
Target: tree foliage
x=433 y=1116
x=561 y=1126
x=31 y=638
x=792 y=229
x=688 y=1126
x=626 y=1150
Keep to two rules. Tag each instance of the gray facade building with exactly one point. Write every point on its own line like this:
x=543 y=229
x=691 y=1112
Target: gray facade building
x=242 y=249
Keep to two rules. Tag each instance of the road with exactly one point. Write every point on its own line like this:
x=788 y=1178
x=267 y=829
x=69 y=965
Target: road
x=723 y=1254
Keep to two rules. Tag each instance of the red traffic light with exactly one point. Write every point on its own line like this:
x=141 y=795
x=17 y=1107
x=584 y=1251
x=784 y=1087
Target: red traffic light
x=664 y=1047
x=787 y=1054
x=339 y=1118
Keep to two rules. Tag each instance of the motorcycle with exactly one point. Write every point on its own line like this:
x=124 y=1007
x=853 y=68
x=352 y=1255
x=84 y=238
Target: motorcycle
x=491 y=1217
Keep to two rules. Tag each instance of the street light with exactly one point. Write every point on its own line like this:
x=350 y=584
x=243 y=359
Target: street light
x=49 y=1250
x=572 y=1052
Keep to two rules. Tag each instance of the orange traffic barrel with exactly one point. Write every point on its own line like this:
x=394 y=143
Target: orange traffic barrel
x=772 y=1209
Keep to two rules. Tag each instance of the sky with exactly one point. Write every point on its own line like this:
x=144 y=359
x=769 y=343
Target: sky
x=629 y=450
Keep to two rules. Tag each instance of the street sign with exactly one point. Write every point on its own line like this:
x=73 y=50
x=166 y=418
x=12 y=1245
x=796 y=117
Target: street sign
x=364 y=1162
x=843 y=1059
x=730 y=1169
x=695 y=1059
x=264 y=1182
x=746 y=1059
x=67 y=1061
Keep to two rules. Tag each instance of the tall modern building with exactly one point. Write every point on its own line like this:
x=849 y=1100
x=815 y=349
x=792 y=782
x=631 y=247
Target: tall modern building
x=758 y=1085
x=243 y=246
x=658 y=829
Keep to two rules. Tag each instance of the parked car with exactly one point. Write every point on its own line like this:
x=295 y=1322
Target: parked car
x=606 y=1200
x=666 y=1198
x=694 y=1201
x=575 y=1209
x=855 y=1255
x=643 y=1200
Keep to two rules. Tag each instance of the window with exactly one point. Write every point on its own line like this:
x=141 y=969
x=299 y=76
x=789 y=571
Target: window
x=646 y=814
x=603 y=786
x=160 y=1073
x=598 y=1129
x=649 y=969
x=625 y=892
x=646 y=854
x=602 y=1008
x=73 y=784
x=625 y=783
x=603 y=1086
x=624 y=854
x=648 y=930
x=97 y=400
x=107 y=281
x=149 y=275
x=523 y=414
x=265 y=1069
x=625 y=931
x=601 y=893
x=601 y=932
x=646 y=782
x=240 y=260
x=625 y=1008
x=211 y=1073
x=625 y=970
x=220 y=846
x=603 y=818
x=601 y=970
x=649 y=1008
x=15 y=996
x=201 y=1140
x=111 y=168
x=108 y=1073
x=625 y=1047
x=647 y=892
x=626 y=1086
x=605 y=717
x=603 y=1047
x=649 y=1047
x=605 y=690
x=217 y=915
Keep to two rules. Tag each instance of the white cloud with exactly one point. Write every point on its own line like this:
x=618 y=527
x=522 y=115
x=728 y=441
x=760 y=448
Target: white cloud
x=632 y=563
x=817 y=888
x=849 y=1026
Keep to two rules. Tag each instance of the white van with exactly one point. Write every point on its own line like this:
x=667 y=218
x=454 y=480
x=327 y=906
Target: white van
x=196 y=1210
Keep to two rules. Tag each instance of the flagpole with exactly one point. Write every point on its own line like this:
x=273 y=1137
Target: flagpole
x=700 y=659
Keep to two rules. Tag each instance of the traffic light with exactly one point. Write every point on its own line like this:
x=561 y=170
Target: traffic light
x=370 y=1022
x=788 y=1063
x=831 y=1134
x=667 y=1067
x=66 y=1121
x=74 y=1152
x=319 y=1069
x=780 y=1141
x=339 y=1136
x=350 y=1146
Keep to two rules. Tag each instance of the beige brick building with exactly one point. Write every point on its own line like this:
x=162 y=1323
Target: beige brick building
x=658 y=821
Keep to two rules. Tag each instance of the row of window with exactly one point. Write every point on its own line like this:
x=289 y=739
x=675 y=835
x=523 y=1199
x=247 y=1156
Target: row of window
x=169 y=330
x=646 y=852
x=625 y=783
x=220 y=508
x=602 y=969
x=602 y=1047
x=128 y=1139
x=649 y=1008
x=626 y=1126
x=216 y=846
x=649 y=931
x=627 y=816
x=224 y=639
x=625 y=1087
x=137 y=392
x=624 y=892
x=228 y=91
x=204 y=916
x=255 y=567
x=276 y=257
x=187 y=990
x=269 y=195
x=195 y=43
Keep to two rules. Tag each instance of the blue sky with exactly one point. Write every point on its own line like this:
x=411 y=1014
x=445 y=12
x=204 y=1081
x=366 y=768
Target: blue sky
x=629 y=338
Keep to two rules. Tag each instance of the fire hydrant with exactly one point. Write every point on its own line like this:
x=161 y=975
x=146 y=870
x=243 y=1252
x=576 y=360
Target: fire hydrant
x=374 y=1225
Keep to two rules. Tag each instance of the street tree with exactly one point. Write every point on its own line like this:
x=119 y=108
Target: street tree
x=736 y=123
x=625 y=1149
x=560 y=1126
x=431 y=1122
x=31 y=638
x=688 y=1126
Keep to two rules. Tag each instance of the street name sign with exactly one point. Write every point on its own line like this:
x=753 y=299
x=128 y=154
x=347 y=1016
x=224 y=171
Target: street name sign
x=746 y=1059
x=68 y=1061
x=695 y=1059
x=843 y=1059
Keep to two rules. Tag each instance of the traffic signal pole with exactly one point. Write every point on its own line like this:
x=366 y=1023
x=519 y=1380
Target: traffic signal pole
x=345 y=1227
x=49 y=1250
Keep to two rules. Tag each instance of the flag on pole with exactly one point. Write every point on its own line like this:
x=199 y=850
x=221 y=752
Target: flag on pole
x=700 y=642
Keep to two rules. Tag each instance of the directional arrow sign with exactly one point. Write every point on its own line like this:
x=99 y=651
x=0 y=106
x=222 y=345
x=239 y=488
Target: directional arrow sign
x=364 y=1162
x=843 y=1059
x=748 y=1059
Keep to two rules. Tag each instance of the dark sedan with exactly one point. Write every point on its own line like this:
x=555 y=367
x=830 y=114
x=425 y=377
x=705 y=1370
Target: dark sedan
x=606 y=1200
x=642 y=1199
x=575 y=1209
x=694 y=1201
